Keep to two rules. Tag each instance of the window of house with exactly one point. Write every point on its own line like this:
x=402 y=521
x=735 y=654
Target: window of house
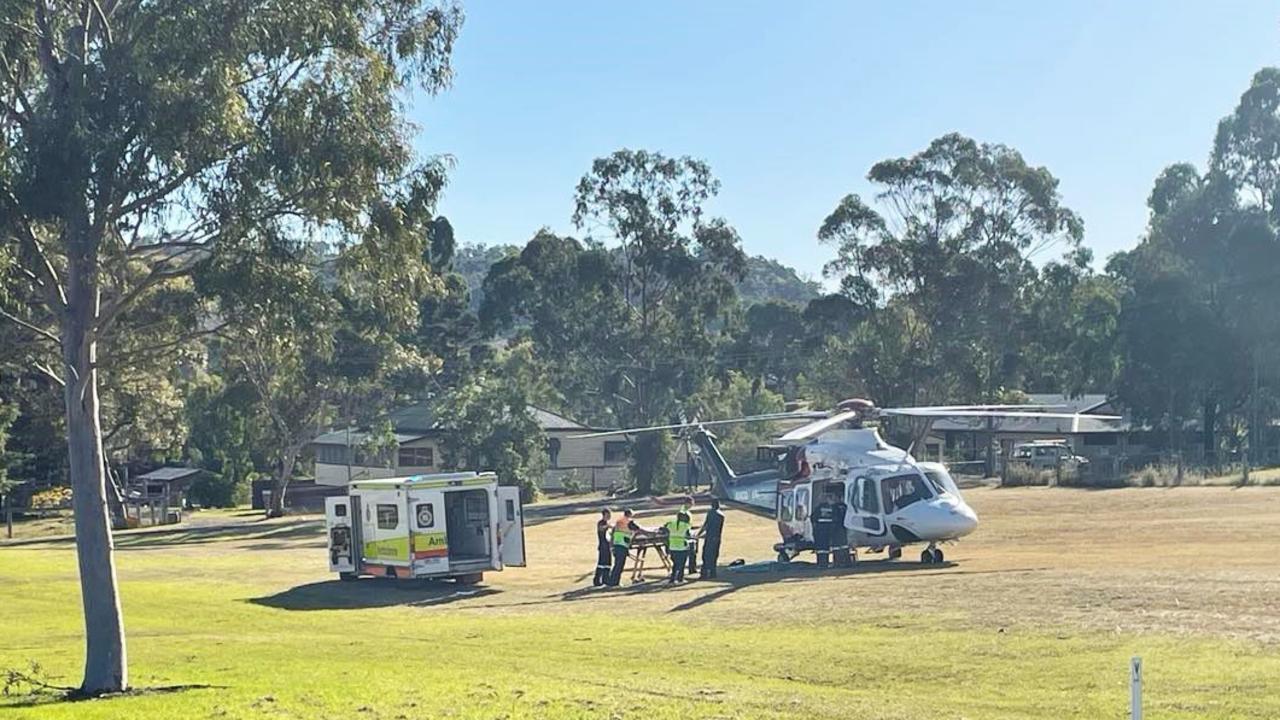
x=373 y=458
x=417 y=457
x=553 y=451
x=615 y=452
x=331 y=454
x=388 y=517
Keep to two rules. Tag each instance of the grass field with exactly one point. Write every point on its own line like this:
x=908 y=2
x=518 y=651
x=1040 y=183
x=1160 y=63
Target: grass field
x=1037 y=616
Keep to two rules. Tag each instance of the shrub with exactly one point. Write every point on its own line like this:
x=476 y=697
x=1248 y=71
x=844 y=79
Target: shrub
x=573 y=484
x=52 y=498
x=212 y=490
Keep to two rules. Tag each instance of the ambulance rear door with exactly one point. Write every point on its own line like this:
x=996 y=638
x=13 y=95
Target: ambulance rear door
x=342 y=539
x=510 y=526
x=429 y=539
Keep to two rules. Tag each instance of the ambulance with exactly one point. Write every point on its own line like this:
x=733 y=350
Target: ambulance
x=447 y=525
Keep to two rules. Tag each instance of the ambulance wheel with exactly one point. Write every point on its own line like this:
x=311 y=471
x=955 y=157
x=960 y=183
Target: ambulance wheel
x=472 y=579
x=348 y=577
x=783 y=557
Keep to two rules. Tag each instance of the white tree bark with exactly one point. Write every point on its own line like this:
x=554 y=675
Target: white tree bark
x=106 y=666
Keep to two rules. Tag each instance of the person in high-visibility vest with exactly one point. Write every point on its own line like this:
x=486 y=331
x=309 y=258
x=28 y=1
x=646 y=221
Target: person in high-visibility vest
x=604 y=548
x=679 y=533
x=623 y=531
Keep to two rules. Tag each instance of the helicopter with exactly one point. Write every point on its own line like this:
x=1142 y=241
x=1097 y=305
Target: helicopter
x=893 y=499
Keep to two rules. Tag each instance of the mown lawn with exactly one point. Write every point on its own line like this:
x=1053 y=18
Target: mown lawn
x=250 y=614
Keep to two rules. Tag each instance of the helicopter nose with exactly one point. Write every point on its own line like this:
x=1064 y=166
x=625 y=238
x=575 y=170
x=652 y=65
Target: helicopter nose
x=963 y=520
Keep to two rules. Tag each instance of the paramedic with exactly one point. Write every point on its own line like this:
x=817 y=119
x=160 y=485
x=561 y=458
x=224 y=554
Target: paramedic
x=603 y=549
x=623 y=530
x=709 y=539
x=678 y=532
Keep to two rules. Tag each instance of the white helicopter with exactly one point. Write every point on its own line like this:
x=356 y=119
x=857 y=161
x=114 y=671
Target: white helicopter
x=893 y=499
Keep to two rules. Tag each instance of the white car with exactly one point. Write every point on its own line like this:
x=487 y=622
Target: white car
x=1046 y=455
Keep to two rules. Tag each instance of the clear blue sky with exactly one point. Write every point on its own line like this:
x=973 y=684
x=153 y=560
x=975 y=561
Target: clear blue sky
x=792 y=103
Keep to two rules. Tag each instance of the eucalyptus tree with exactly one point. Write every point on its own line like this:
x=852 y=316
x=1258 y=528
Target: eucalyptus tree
x=145 y=139
x=959 y=227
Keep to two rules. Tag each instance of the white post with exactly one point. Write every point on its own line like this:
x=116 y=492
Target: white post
x=1135 y=688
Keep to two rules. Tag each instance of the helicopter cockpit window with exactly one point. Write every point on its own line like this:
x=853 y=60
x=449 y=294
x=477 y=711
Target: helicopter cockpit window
x=903 y=490
x=937 y=481
x=862 y=496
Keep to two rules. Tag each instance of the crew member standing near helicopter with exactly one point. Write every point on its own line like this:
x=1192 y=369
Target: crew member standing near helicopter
x=623 y=531
x=679 y=532
x=826 y=518
x=604 y=554
x=709 y=539
x=839 y=533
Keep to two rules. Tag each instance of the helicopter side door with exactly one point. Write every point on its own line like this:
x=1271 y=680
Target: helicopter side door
x=866 y=513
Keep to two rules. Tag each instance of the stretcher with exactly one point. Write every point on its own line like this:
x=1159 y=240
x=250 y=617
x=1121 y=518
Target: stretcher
x=639 y=555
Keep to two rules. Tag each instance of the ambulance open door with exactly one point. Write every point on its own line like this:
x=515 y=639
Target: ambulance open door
x=342 y=538
x=510 y=526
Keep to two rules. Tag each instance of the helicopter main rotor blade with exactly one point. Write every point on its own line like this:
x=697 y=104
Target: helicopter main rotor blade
x=804 y=432
x=943 y=413
x=678 y=426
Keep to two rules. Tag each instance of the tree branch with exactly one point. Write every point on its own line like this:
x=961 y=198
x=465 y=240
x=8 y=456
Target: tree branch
x=45 y=334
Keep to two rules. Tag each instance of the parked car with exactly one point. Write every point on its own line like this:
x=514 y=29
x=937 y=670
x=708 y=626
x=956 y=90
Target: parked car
x=1046 y=455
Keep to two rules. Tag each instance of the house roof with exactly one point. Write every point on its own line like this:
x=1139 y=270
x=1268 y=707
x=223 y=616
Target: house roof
x=552 y=421
x=356 y=437
x=168 y=474
x=1086 y=403
x=416 y=421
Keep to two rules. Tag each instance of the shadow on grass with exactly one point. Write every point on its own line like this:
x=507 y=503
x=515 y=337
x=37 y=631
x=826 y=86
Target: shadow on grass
x=730 y=580
x=272 y=532
x=371 y=593
x=49 y=697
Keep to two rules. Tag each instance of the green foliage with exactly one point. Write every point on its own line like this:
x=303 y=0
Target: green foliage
x=651 y=468
x=488 y=424
x=626 y=331
x=954 y=254
x=1198 y=325
x=8 y=413
x=737 y=396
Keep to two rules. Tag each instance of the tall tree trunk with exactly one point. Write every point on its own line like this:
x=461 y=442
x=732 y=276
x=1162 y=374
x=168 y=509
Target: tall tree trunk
x=106 y=667
x=281 y=483
x=1209 y=433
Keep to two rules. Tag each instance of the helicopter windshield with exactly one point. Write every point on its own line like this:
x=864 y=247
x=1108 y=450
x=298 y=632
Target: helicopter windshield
x=937 y=480
x=904 y=490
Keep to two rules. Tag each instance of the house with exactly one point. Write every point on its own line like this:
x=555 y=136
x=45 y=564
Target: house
x=964 y=439
x=341 y=456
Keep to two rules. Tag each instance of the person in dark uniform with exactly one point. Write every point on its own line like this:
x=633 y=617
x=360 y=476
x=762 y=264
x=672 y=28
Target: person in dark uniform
x=604 y=552
x=709 y=538
x=623 y=531
x=825 y=521
x=839 y=533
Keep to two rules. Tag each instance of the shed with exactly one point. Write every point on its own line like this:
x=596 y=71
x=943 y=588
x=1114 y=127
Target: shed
x=158 y=497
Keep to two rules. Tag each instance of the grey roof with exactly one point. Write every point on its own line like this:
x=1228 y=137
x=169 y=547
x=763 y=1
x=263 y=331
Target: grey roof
x=357 y=438
x=166 y=474
x=551 y=421
x=1088 y=402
